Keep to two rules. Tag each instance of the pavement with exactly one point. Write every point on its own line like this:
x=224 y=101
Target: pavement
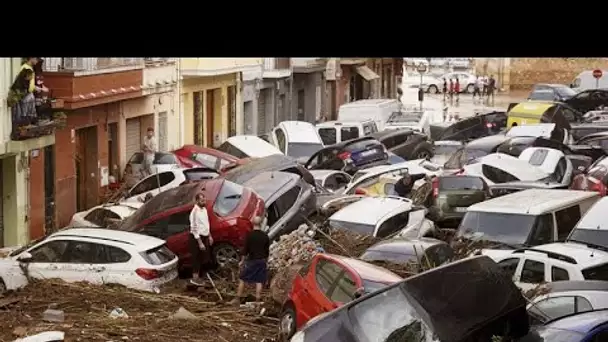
x=466 y=106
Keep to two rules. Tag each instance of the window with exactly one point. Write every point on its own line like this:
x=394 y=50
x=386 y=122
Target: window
x=596 y=273
x=400 y=139
x=52 y=251
x=99 y=217
x=558 y=274
x=152 y=182
x=348 y=133
x=511 y=229
x=302 y=150
x=439 y=254
x=328 y=135
x=566 y=220
x=178 y=223
x=158 y=255
x=538 y=157
x=345 y=289
x=227 y=147
x=80 y=252
x=288 y=199
x=117 y=255
x=281 y=139
x=569 y=114
x=369 y=128
x=326 y=273
x=164 y=158
x=206 y=160
x=560 y=169
x=393 y=225
x=157 y=229
x=555 y=307
x=533 y=272
x=388 y=142
x=497 y=175
x=228 y=198
x=196 y=174
x=543 y=232
x=509 y=266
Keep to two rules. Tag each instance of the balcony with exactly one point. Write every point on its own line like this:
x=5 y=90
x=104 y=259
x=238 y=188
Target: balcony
x=277 y=67
x=86 y=82
x=160 y=75
x=199 y=67
x=306 y=65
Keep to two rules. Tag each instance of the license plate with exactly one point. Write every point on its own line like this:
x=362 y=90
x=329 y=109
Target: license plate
x=460 y=209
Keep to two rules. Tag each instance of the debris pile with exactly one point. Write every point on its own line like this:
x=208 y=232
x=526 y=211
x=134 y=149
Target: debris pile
x=293 y=249
x=344 y=242
x=102 y=313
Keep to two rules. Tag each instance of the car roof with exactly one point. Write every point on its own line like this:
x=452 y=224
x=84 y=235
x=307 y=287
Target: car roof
x=527 y=185
x=368 y=271
x=371 y=210
x=577 y=285
x=267 y=184
x=532 y=107
x=580 y=322
x=322 y=174
x=345 y=143
x=253 y=145
x=121 y=210
x=139 y=242
x=486 y=143
x=392 y=132
x=300 y=131
x=210 y=151
x=583 y=255
x=532 y=201
x=406 y=246
x=242 y=173
x=595 y=217
x=513 y=165
x=335 y=123
x=537 y=130
x=369 y=102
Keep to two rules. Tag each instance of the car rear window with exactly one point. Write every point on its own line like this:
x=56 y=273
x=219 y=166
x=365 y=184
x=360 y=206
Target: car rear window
x=158 y=256
x=228 y=198
x=460 y=183
x=497 y=175
x=596 y=273
x=165 y=158
x=361 y=145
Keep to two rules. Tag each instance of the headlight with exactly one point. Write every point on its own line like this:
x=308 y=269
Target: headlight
x=298 y=337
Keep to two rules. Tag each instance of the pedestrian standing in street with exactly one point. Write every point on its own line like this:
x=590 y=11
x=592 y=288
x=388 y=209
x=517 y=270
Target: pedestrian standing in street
x=457 y=89
x=445 y=89
x=254 y=268
x=491 y=89
x=451 y=90
x=477 y=88
x=484 y=83
x=200 y=240
x=148 y=149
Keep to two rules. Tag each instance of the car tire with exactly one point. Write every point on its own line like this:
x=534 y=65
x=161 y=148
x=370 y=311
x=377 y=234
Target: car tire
x=432 y=89
x=422 y=152
x=3 y=288
x=287 y=325
x=224 y=254
x=470 y=88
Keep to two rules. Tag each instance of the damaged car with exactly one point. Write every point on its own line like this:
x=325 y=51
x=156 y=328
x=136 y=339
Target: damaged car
x=96 y=256
x=349 y=156
x=426 y=253
x=104 y=215
x=289 y=201
x=275 y=162
x=406 y=143
x=426 y=306
x=331 y=180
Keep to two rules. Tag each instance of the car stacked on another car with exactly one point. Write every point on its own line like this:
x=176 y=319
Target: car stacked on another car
x=349 y=156
x=406 y=143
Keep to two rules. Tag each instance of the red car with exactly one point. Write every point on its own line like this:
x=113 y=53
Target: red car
x=194 y=156
x=167 y=216
x=326 y=283
x=594 y=179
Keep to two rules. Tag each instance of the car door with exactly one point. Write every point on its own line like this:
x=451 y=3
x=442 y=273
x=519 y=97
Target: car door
x=533 y=273
x=286 y=210
x=317 y=288
x=280 y=139
x=47 y=261
x=113 y=264
x=176 y=231
x=152 y=185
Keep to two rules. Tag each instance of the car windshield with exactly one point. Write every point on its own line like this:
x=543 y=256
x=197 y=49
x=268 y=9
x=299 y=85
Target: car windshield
x=565 y=91
x=467 y=156
x=542 y=95
x=388 y=317
x=300 y=150
x=394 y=159
x=26 y=246
x=158 y=256
x=228 y=198
x=597 y=238
x=410 y=116
x=392 y=256
x=511 y=229
x=360 y=228
x=370 y=286
x=460 y=183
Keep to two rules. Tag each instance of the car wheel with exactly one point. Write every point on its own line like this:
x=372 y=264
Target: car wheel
x=225 y=253
x=433 y=89
x=287 y=327
x=2 y=287
x=470 y=89
x=422 y=153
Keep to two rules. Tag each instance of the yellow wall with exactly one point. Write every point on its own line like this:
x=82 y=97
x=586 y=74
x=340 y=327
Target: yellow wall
x=196 y=84
x=215 y=64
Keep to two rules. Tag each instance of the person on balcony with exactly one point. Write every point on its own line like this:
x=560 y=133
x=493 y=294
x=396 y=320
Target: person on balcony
x=29 y=63
x=41 y=93
x=21 y=101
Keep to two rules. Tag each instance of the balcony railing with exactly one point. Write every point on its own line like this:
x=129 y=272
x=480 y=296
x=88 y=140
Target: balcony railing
x=277 y=67
x=91 y=65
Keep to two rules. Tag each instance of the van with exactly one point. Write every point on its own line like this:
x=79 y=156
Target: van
x=333 y=132
x=297 y=139
x=535 y=112
x=415 y=119
x=527 y=218
x=585 y=80
x=378 y=110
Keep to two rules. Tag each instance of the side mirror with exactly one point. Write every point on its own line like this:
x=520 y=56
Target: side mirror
x=24 y=257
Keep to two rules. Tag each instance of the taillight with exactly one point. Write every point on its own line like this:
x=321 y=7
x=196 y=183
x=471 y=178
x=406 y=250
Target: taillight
x=344 y=155
x=147 y=273
x=359 y=191
x=597 y=186
x=435 y=183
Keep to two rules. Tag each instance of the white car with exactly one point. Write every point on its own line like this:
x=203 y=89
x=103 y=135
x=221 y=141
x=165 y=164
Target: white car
x=592 y=228
x=415 y=119
x=466 y=80
x=530 y=267
x=498 y=168
x=103 y=215
x=297 y=139
x=163 y=161
x=381 y=217
x=159 y=182
x=248 y=146
x=96 y=256
x=367 y=177
x=552 y=162
x=430 y=83
x=330 y=179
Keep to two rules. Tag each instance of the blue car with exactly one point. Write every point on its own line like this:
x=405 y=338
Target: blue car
x=585 y=327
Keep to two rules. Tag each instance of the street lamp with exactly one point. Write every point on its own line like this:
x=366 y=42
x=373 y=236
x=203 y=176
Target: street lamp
x=421 y=70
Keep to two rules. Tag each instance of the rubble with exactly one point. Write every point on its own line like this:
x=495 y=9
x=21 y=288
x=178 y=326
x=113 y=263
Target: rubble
x=346 y=243
x=293 y=249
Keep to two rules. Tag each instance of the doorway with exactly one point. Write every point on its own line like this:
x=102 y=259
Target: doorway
x=112 y=150
x=333 y=111
x=197 y=103
x=210 y=113
x=301 y=101
x=231 y=111
x=49 y=189
x=86 y=168
x=248 y=114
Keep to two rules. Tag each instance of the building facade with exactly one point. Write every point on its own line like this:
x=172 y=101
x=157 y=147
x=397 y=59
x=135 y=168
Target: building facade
x=211 y=98
x=109 y=103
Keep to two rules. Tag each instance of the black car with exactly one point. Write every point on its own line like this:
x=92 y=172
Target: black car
x=349 y=156
x=424 y=251
x=474 y=127
x=588 y=100
x=406 y=143
x=275 y=162
x=457 y=302
x=581 y=130
x=551 y=92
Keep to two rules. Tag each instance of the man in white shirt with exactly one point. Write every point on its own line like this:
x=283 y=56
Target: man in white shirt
x=148 y=149
x=200 y=239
